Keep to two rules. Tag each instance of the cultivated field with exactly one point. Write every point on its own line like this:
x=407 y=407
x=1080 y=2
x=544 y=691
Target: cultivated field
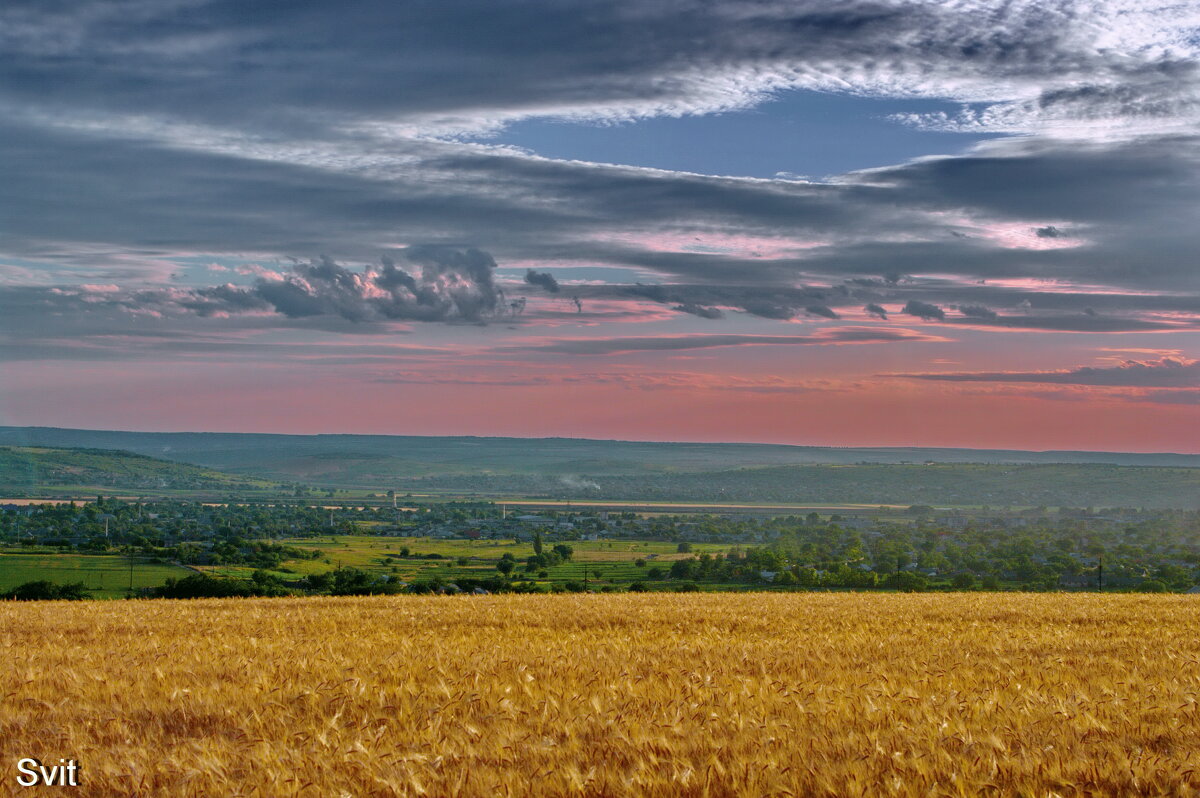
x=621 y=694
x=106 y=575
x=607 y=562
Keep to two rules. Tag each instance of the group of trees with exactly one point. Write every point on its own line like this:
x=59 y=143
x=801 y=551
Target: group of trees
x=1161 y=550
x=541 y=559
x=43 y=590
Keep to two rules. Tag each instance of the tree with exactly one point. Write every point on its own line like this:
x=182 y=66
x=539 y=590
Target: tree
x=963 y=581
x=907 y=581
x=537 y=543
x=684 y=548
x=682 y=569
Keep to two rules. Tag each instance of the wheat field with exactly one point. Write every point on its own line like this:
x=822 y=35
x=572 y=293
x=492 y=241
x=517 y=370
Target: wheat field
x=606 y=695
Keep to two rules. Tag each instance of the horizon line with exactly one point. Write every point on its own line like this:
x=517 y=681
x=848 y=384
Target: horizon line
x=606 y=440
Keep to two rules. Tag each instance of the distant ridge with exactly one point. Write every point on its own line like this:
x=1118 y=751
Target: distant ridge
x=298 y=455
x=571 y=469
x=24 y=467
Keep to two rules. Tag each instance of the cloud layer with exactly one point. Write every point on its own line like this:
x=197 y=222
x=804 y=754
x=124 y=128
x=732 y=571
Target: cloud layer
x=214 y=175
x=1163 y=373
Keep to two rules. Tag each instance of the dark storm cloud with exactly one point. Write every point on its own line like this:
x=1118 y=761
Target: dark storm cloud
x=924 y=310
x=702 y=300
x=444 y=285
x=543 y=280
x=701 y=311
x=1162 y=373
x=977 y=311
x=876 y=310
x=823 y=311
x=447 y=284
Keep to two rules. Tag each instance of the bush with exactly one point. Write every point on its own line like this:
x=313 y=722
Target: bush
x=638 y=587
x=317 y=582
x=687 y=587
x=202 y=586
x=42 y=590
x=1152 y=586
x=907 y=581
x=963 y=581
x=357 y=582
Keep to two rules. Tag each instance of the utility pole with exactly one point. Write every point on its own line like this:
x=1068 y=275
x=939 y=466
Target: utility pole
x=131 y=570
x=1100 y=573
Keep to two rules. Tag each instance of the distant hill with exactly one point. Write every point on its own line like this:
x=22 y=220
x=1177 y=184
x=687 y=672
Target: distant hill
x=1052 y=485
x=582 y=469
x=24 y=468
x=378 y=459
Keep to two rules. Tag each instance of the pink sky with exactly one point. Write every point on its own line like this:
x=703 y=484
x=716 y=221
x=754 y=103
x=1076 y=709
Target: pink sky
x=480 y=384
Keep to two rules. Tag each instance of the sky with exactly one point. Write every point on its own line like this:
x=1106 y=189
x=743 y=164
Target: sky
x=951 y=223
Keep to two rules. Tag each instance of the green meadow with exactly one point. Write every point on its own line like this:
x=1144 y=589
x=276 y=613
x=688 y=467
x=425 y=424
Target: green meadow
x=106 y=575
x=606 y=562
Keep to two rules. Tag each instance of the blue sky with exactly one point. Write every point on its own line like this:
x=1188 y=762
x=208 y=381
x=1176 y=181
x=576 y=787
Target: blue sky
x=799 y=133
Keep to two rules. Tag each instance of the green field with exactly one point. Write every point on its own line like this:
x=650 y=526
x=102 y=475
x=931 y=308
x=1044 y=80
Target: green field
x=107 y=575
x=615 y=561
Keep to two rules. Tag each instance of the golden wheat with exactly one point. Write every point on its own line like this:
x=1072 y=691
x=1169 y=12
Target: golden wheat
x=653 y=694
